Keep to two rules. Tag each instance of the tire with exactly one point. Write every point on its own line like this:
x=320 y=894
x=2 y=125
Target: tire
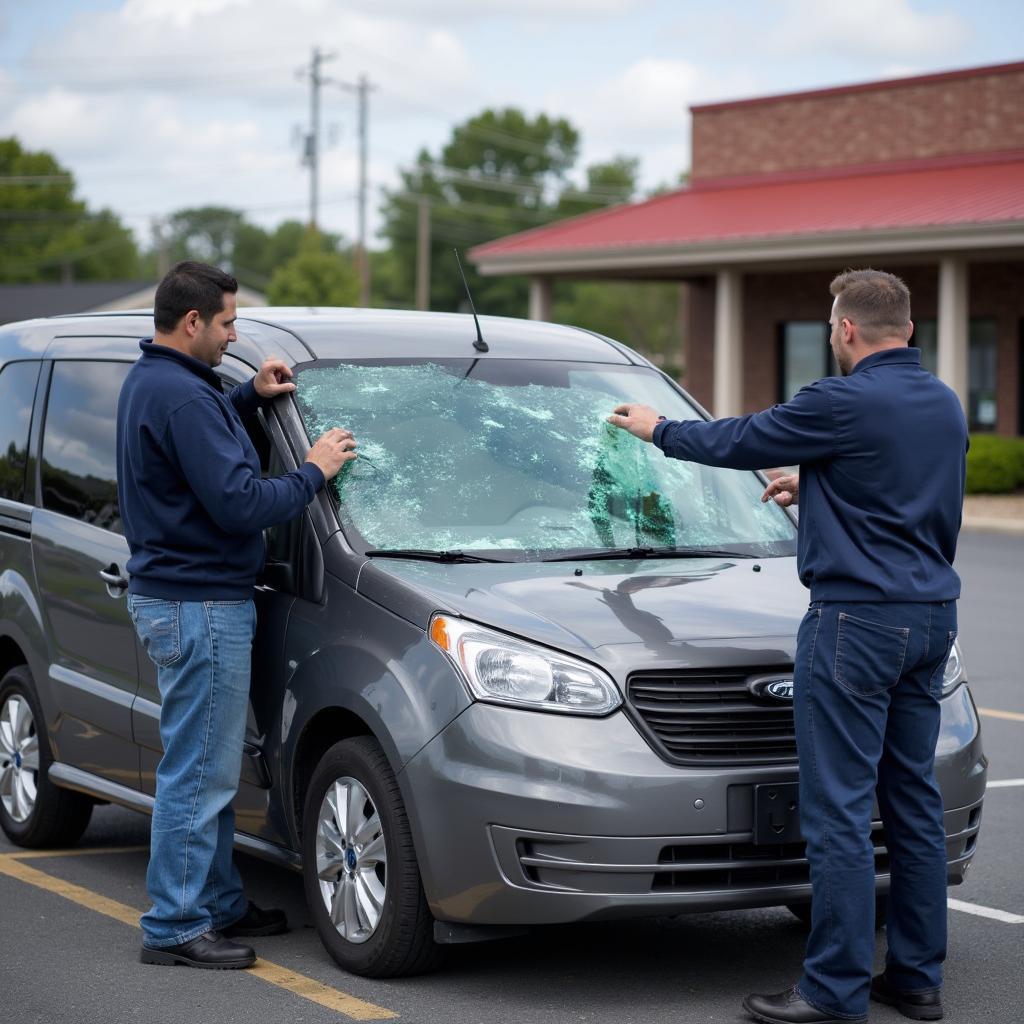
x=33 y=811
x=802 y=912
x=368 y=908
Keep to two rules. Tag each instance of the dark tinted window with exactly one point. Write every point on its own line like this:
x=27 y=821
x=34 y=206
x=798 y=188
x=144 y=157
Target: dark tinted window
x=17 y=388
x=79 y=442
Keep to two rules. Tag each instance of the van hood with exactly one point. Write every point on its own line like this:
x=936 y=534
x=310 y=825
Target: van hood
x=659 y=609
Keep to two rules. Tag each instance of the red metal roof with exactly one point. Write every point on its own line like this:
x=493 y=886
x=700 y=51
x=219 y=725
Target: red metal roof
x=929 y=193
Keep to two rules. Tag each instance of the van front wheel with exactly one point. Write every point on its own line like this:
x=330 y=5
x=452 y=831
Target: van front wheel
x=359 y=867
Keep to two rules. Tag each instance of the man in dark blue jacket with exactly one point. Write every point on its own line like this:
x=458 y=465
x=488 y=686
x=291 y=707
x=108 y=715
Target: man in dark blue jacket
x=882 y=456
x=194 y=508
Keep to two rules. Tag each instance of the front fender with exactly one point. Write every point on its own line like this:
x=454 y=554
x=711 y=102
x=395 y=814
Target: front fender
x=374 y=666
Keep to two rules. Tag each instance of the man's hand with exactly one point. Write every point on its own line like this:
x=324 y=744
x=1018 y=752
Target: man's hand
x=273 y=379
x=639 y=420
x=332 y=450
x=784 y=489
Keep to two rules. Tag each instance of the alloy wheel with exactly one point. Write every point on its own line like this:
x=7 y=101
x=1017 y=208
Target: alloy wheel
x=351 y=859
x=19 y=758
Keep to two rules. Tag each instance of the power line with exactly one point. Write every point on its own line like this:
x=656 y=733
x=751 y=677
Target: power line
x=35 y=179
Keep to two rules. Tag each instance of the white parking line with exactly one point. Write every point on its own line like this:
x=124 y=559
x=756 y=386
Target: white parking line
x=1001 y=783
x=995 y=915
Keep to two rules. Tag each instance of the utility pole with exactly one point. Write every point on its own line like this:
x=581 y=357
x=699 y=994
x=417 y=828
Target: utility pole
x=423 y=255
x=311 y=156
x=362 y=89
x=160 y=243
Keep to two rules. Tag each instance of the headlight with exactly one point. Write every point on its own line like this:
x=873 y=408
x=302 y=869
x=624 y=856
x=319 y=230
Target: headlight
x=503 y=670
x=953 y=675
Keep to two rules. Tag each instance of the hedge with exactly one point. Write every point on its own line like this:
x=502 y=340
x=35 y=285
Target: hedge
x=995 y=464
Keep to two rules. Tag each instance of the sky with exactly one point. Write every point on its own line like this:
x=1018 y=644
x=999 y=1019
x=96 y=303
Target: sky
x=155 y=105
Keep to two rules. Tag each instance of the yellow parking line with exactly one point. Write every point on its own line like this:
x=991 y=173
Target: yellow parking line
x=10 y=864
x=86 y=852
x=273 y=974
x=1010 y=716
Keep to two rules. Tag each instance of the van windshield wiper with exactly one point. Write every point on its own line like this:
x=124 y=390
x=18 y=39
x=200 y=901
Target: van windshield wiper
x=427 y=555
x=611 y=553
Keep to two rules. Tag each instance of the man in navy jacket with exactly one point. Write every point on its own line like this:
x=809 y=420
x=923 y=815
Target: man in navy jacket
x=194 y=508
x=882 y=456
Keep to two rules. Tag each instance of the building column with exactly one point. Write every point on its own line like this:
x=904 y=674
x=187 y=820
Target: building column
x=952 y=325
x=540 y=298
x=728 y=367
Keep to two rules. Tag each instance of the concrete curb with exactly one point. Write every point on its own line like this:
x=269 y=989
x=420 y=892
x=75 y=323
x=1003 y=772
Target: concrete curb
x=993 y=524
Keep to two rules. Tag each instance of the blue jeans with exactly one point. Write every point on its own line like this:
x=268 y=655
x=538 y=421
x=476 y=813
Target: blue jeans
x=202 y=651
x=867 y=681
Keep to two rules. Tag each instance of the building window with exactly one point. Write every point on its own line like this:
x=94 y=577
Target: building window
x=981 y=374
x=926 y=338
x=804 y=355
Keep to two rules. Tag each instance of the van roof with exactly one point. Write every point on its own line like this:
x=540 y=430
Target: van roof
x=302 y=334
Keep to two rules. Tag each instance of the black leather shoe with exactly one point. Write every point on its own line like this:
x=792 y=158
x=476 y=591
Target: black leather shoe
x=257 y=922
x=915 y=1005
x=791 y=1008
x=210 y=951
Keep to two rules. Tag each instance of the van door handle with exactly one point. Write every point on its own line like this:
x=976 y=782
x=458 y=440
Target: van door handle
x=113 y=578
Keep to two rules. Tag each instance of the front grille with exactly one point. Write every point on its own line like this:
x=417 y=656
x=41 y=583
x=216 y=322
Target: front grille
x=744 y=865
x=709 y=717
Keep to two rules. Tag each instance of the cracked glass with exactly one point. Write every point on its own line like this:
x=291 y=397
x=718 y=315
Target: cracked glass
x=516 y=457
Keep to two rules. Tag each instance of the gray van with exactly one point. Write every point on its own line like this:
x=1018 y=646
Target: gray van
x=514 y=668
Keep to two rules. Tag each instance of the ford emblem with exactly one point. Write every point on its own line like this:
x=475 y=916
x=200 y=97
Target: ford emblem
x=777 y=688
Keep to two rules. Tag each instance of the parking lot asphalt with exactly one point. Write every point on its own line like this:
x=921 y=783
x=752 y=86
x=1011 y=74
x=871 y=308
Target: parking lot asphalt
x=69 y=937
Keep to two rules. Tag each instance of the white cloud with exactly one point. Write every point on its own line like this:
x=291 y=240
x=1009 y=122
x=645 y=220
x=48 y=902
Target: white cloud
x=643 y=109
x=63 y=121
x=842 y=34
x=486 y=10
x=868 y=29
x=179 y=12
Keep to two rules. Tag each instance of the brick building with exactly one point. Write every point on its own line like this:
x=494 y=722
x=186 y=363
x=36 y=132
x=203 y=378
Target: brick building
x=921 y=176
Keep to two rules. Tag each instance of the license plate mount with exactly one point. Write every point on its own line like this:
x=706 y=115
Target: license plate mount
x=777 y=813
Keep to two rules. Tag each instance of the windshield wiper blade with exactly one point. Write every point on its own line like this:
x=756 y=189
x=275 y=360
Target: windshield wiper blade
x=624 y=553
x=427 y=555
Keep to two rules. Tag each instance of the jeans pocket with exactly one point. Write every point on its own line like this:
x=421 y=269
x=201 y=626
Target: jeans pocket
x=869 y=655
x=157 y=624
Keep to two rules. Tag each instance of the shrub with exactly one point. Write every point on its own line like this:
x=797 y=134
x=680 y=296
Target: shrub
x=995 y=465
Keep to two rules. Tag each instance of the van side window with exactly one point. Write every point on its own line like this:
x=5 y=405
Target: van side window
x=17 y=389
x=79 y=469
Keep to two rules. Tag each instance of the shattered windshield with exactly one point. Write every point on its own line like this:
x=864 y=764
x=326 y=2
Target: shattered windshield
x=516 y=457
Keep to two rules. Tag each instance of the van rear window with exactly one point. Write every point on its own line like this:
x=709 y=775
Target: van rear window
x=17 y=390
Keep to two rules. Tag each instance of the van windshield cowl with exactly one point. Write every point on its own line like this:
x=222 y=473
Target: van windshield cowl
x=515 y=458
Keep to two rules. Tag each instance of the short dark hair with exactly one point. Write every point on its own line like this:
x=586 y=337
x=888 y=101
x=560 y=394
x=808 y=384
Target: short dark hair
x=877 y=302
x=190 y=285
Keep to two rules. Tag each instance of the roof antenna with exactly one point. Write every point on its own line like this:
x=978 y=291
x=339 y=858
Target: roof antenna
x=480 y=345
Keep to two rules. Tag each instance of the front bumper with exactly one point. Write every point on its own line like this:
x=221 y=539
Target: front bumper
x=526 y=818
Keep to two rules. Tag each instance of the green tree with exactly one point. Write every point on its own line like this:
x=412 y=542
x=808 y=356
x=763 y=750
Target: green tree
x=226 y=238
x=317 y=275
x=46 y=233
x=206 y=233
x=607 y=183
x=496 y=175
x=643 y=315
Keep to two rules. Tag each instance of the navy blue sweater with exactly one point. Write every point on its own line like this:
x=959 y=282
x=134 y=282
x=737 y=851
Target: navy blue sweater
x=882 y=457
x=191 y=498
